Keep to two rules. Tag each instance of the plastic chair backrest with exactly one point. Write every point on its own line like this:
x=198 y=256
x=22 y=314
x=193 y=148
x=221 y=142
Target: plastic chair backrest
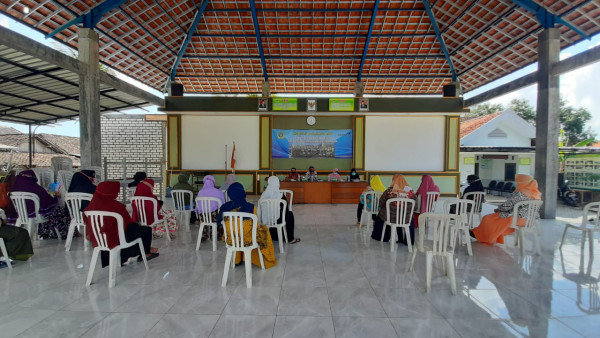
x=204 y=204
x=374 y=197
x=179 y=197
x=139 y=203
x=403 y=206
x=432 y=198
x=443 y=232
x=463 y=207
x=234 y=227
x=492 y=185
x=74 y=200
x=591 y=210
x=531 y=213
x=499 y=186
x=20 y=200
x=507 y=187
x=271 y=207
x=478 y=197
x=290 y=198
x=96 y=219
x=59 y=163
x=45 y=176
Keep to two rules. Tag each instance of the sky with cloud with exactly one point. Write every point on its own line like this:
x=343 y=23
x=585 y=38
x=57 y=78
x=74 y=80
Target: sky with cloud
x=579 y=87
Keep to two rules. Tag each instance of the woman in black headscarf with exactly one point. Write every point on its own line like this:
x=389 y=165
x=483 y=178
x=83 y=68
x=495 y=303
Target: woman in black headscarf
x=84 y=182
x=354 y=176
x=137 y=178
x=474 y=185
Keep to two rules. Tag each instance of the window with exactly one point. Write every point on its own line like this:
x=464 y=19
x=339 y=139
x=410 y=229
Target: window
x=497 y=133
x=510 y=169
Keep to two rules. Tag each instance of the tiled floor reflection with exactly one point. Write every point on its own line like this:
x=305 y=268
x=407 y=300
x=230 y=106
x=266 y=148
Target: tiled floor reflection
x=336 y=283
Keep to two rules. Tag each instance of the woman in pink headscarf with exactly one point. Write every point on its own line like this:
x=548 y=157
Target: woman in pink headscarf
x=427 y=185
x=334 y=176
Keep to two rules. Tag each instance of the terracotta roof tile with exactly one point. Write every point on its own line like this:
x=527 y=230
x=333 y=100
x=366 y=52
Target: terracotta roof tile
x=8 y=130
x=470 y=124
x=39 y=160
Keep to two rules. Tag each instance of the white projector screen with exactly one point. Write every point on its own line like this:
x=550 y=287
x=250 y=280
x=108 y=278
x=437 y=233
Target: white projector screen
x=204 y=138
x=404 y=143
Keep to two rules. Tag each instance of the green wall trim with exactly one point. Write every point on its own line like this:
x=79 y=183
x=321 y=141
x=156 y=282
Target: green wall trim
x=359 y=142
x=174 y=141
x=452 y=141
x=265 y=142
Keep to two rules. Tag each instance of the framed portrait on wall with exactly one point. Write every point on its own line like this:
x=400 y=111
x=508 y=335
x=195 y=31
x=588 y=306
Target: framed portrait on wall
x=262 y=105
x=363 y=105
x=311 y=105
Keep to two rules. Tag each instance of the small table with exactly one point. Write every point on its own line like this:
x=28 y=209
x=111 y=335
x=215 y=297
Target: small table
x=581 y=193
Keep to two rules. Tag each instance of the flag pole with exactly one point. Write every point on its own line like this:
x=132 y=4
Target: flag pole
x=226 y=157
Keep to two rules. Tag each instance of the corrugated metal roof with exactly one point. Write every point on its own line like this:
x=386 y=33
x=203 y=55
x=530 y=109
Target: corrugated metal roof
x=314 y=46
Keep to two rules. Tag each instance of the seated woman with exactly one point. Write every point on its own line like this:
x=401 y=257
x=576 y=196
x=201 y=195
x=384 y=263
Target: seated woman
x=427 y=185
x=354 y=176
x=137 y=178
x=293 y=176
x=398 y=186
x=229 y=180
x=17 y=241
x=272 y=192
x=334 y=176
x=376 y=185
x=209 y=190
x=238 y=203
x=494 y=227
x=57 y=217
x=83 y=181
x=105 y=199
x=183 y=184
x=145 y=189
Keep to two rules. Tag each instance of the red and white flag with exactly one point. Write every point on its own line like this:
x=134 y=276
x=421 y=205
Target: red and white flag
x=233 y=158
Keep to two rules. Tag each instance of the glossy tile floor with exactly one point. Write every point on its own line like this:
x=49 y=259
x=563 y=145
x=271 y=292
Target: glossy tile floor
x=336 y=283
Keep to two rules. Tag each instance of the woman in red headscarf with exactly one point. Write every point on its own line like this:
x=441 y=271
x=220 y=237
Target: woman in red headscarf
x=105 y=199
x=145 y=189
x=494 y=227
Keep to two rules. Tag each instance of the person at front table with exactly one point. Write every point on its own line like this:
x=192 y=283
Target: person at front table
x=334 y=176
x=293 y=176
x=311 y=174
x=354 y=176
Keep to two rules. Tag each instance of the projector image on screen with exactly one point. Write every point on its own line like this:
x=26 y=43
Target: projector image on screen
x=294 y=143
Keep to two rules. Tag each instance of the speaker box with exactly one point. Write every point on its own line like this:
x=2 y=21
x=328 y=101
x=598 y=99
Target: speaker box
x=450 y=90
x=176 y=89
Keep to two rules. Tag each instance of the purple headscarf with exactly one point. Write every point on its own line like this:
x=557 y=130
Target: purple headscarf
x=26 y=181
x=209 y=190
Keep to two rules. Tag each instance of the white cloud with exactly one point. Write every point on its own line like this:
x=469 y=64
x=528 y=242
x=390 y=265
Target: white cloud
x=3 y=21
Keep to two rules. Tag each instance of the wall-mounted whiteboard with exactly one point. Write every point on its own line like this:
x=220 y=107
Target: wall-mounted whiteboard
x=404 y=143
x=204 y=138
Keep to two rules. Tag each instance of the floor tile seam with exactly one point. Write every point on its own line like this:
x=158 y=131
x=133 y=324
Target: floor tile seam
x=153 y=326
x=36 y=322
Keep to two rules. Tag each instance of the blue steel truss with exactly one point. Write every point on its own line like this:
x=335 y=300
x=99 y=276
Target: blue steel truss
x=259 y=40
x=91 y=18
x=546 y=19
x=366 y=49
x=188 y=37
x=436 y=28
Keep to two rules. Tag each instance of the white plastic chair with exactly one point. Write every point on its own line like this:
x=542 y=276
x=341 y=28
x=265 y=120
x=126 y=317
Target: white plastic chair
x=432 y=199
x=64 y=178
x=5 y=253
x=19 y=200
x=290 y=199
x=531 y=218
x=45 y=176
x=233 y=222
x=440 y=246
x=478 y=199
x=204 y=205
x=368 y=212
x=74 y=201
x=464 y=210
x=138 y=204
x=271 y=207
x=183 y=213
x=402 y=206
x=96 y=219
x=587 y=227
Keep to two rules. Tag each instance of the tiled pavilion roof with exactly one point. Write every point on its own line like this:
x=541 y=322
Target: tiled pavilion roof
x=314 y=46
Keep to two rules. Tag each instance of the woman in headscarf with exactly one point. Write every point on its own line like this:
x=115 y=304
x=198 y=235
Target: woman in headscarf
x=398 y=187
x=228 y=181
x=334 y=176
x=183 y=184
x=238 y=203
x=494 y=227
x=105 y=199
x=84 y=182
x=427 y=185
x=354 y=176
x=376 y=185
x=272 y=192
x=17 y=241
x=475 y=185
x=209 y=190
x=57 y=217
x=146 y=188
x=137 y=178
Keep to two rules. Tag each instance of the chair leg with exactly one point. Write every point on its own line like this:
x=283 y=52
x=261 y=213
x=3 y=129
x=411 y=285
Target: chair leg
x=392 y=238
x=167 y=230
x=428 y=261
x=248 y=270
x=92 y=266
x=468 y=240
x=226 y=269
x=5 y=254
x=280 y=239
x=591 y=245
x=285 y=234
x=408 y=239
x=522 y=241
x=383 y=232
x=72 y=226
x=450 y=269
x=563 y=236
x=200 y=231
x=260 y=257
x=112 y=269
x=187 y=216
x=214 y=236
x=412 y=261
x=86 y=243
x=362 y=215
x=143 y=254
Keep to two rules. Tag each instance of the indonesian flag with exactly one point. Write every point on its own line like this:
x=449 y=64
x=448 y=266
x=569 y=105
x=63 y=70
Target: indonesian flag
x=233 y=158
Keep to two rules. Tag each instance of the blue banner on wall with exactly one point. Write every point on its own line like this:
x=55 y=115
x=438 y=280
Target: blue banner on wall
x=299 y=143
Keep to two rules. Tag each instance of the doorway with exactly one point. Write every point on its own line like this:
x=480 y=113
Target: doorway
x=510 y=169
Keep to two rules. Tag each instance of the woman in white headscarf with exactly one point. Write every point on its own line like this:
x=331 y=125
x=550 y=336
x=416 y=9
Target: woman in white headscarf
x=272 y=192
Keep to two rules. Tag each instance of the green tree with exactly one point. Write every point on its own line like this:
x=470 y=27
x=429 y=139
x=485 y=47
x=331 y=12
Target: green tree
x=485 y=109
x=523 y=109
x=573 y=121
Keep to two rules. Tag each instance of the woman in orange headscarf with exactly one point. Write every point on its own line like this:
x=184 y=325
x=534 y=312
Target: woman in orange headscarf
x=494 y=227
x=399 y=187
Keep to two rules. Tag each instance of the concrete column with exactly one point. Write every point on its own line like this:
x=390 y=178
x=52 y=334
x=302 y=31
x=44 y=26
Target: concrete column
x=266 y=89
x=547 y=120
x=89 y=99
x=359 y=89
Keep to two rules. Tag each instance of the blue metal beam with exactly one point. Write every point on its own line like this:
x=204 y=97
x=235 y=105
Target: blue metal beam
x=369 y=33
x=91 y=18
x=313 y=36
x=546 y=19
x=277 y=57
x=188 y=37
x=436 y=28
x=259 y=40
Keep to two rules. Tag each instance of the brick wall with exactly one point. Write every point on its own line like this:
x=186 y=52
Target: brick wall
x=135 y=139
